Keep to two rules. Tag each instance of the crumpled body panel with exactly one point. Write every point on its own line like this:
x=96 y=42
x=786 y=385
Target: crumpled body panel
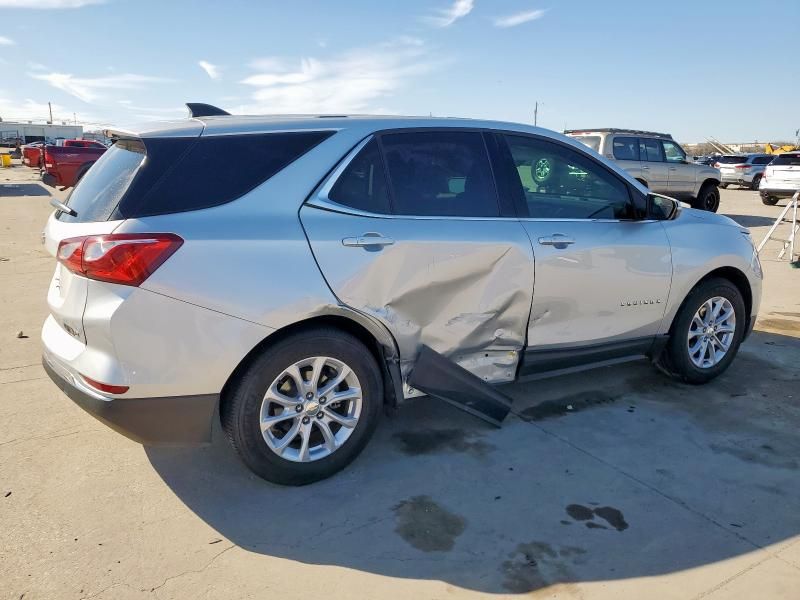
x=462 y=287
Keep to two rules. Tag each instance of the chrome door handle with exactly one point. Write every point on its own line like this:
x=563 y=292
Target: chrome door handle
x=645 y=168
x=371 y=238
x=559 y=240
x=673 y=168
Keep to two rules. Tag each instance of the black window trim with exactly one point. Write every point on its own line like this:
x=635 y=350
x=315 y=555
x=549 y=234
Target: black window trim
x=643 y=210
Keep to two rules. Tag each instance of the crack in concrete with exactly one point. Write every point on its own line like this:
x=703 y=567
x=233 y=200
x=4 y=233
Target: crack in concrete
x=155 y=589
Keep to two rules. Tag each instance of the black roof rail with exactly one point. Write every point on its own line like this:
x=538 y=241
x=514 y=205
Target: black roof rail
x=200 y=109
x=613 y=130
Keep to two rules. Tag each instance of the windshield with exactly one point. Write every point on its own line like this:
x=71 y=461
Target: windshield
x=593 y=141
x=100 y=190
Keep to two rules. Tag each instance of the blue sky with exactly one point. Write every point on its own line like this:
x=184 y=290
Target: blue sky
x=695 y=69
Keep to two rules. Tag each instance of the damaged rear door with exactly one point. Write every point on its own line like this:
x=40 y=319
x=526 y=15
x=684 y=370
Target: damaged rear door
x=410 y=229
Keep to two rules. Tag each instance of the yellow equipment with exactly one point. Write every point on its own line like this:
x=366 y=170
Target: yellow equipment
x=770 y=149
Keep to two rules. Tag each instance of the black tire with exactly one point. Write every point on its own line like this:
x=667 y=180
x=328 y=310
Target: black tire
x=755 y=182
x=708 y=198
x=769 y=200
x=240 y=410
x=675 y=359
x=723 y=186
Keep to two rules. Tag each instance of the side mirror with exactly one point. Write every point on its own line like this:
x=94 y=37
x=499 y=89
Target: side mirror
x=662 y=208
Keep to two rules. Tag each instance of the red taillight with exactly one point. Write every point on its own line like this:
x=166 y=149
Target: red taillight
x=742 y=166
x=106 y=387
x=124 y=258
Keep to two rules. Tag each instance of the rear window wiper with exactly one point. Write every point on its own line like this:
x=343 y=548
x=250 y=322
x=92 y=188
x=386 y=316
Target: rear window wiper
x=56 y=203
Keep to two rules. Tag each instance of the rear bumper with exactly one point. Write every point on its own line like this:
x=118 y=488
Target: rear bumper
x=777 y=193
x=171 y=421
x=736 y=179
x=49 y=179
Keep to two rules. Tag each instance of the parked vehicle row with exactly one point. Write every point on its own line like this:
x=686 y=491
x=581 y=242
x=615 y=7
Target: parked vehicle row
x=330 y=265
x=656 y=161
x=744 y=170
x=64 y=164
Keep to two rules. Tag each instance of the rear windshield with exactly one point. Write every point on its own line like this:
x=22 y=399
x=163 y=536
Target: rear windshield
x=732 y=160
x=593 y=141
x=786 y=159
x=182 y=174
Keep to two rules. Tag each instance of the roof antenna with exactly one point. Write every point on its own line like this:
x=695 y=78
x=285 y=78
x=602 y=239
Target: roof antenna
x=200 y=109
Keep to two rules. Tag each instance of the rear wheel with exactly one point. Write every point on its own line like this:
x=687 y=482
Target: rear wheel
x=708 y=198
x=707 y=332
x=305 y=408
x=755 y=183
x=769 y=200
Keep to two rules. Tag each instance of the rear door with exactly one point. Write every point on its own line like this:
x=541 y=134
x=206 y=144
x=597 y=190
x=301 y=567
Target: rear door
x=681 y=175
x=654 y=168
x=410 y=230
x=602 y=274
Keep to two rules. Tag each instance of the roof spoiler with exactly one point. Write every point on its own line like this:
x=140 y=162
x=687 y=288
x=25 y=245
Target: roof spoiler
x=199 y=109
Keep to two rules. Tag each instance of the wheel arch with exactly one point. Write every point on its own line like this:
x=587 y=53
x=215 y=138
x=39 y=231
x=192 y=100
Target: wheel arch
x=732 y=274
x=377 y=339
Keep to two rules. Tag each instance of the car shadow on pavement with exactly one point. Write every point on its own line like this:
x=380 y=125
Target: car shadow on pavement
x=22 y=189
x=753 y=220
x=611 y=474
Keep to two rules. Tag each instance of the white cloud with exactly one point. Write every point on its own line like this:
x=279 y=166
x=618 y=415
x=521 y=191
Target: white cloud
x=447 y=16
x=89 y=89
x=346 y=83
x=211 y=70
x=5 y=41
x=519 y=18
x=48 y=4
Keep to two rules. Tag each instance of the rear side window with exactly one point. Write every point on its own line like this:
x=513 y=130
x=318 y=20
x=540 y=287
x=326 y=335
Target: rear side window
x=442 y=173
x=762 y=160
x=651 y=150
x=787 y=159
x=182 y=174
x=101 y=189
x=593 y=141
x=626 y=148
x=362 y=185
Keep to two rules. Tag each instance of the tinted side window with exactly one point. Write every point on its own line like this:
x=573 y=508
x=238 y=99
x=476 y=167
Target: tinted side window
x=561 y=183
x=626 y=148
x=673 y=152
x=443 y=173
x=651 y=150
x=762 y=160
x=362 y=185
x=178 y=176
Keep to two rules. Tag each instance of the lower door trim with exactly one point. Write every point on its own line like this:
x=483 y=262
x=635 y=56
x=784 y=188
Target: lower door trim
x=536 y=361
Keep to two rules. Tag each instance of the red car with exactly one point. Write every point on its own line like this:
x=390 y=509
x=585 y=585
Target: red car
x=32 y=154
x=65 y=165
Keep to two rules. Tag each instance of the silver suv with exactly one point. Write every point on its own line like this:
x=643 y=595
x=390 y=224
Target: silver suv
x=330 y=266
x=656 y=161
x=745 y=170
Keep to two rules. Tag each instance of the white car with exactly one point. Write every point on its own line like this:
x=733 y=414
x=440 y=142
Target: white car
x=781 y=178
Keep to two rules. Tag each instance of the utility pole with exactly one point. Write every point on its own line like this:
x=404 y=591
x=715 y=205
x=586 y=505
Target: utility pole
x=51 y=113
x=535 y=114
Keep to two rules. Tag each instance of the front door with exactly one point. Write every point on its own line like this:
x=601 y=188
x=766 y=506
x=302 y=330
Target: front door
x=427 y=250
x=681 y=174
x=602 y=273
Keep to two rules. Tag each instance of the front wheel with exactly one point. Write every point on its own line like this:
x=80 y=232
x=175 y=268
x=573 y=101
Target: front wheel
x=708 y=198
x=769 y=200
x=707 y=332
x=756 y=181
x=305 y=408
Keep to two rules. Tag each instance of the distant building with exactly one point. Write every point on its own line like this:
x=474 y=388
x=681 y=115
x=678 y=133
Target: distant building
x=28 y=132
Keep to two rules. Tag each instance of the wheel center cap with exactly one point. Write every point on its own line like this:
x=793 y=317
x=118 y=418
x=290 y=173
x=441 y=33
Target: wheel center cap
x=312 y=408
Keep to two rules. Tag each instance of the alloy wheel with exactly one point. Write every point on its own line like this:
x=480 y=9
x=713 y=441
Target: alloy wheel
x=311 y=409
x=711 y=332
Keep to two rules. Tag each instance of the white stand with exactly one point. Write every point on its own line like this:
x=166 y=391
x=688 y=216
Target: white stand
x=788 y=242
